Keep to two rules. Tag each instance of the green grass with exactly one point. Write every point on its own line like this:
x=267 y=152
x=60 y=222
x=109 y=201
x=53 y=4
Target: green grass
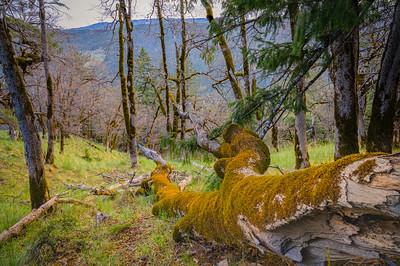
x=70 y=235
x=285 y=159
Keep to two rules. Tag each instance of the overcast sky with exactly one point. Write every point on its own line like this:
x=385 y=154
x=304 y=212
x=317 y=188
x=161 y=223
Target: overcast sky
x=86 y=12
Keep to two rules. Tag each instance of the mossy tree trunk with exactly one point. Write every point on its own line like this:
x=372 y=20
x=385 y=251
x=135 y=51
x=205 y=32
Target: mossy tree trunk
x=343 y=74
x=182 y=64
x=49 y=86
x=24 y=112
x=176 y=118
x=245 y=54
x=380 y=130
x=158 y=4
x=121 y=69
x=300 y=132
x=226 y=51
x=300 y=215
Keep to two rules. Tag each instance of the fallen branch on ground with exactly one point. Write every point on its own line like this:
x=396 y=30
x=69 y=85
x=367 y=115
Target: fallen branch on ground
x=17 y=228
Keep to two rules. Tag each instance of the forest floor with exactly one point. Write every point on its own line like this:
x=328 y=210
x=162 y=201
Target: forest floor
x=130 y=235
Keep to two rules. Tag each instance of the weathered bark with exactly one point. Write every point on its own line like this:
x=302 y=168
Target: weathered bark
x=362 y=103
x=182 y=64
x=300 y=125
x=175 y=122
x=245 y=55
x=338 y=211
x=164 y=61
x=211 y=146
x=274 y=137
x=62 y=138
x=22 y=105
x=226 y=52
x=343 y=74
x=49 y=86
x=380 y=130
x=123 y=80
x=132 y=141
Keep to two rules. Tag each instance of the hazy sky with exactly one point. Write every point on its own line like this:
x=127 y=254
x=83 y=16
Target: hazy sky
x=86 y=12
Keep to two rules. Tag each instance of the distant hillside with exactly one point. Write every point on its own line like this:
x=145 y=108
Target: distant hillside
x=98 y=40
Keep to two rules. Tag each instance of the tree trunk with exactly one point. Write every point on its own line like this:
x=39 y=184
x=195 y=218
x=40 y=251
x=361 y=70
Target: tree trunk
x=362 y=103
x=182 y=71
x=176 y=119
x=275 y=142
x=226 y=52
x=132 y=142
x=343 y=74
x=245 y=56
x=124 y=89
x=337 y=211
x=164 y=61
x=300 y=132
x=380 y=130
x=49 y=86
x=62 y=140
x=22 y=105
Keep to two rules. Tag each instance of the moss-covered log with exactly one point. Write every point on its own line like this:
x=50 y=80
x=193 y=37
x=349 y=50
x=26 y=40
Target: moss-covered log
x=341 y=210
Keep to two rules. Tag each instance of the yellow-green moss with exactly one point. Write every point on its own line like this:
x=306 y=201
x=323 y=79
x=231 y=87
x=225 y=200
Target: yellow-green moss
x=365 y=168
x=262 y=199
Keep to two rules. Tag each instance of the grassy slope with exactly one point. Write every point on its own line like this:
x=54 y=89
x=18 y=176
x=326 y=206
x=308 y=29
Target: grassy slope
x=71 y=235
x=72 y=231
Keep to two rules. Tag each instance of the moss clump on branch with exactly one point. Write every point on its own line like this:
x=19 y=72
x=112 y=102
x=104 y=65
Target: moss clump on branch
x=264 y=200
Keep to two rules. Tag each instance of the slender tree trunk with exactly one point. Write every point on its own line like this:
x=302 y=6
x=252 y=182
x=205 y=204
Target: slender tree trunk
x=49 y=86
x=23 y=108
x=380 y=131
x=124 y=89
x=343 y=74
x=132 y=142
x=164 y=62
x=176 y=119
x=274 y=141
x=246 y=65
x=362 y=103
x=300 y=132
x=226 y=52
x=62 y=140
x=182 y=71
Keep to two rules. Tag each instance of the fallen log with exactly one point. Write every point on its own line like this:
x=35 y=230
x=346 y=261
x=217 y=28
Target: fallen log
x=17 y=228
x=337 y=211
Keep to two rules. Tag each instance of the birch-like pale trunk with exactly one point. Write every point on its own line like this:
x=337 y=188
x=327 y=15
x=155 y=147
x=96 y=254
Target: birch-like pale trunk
x=300 y=125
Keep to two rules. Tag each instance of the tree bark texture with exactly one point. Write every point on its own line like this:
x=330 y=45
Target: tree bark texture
x=24 y=112
x=182 y=64
x=343 y=74
x=226 y=52
x=380 y=130
x=333 y=212
x=300 y=125
x=245 y=56
x=132 y=141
